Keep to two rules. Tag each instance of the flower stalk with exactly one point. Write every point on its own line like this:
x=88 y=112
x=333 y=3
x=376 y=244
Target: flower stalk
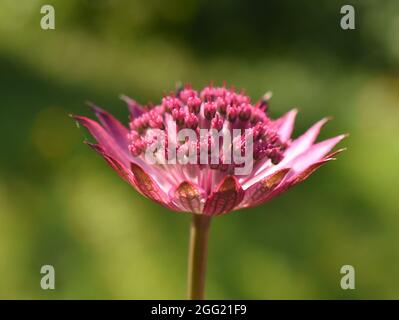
x=198 y=248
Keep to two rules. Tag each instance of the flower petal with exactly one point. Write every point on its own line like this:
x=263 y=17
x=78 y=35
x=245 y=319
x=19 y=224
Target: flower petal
x=135 y=108
x=333 y=154
x=302 y=143
x=105 y=140
x=285 y=125
x=298 y=163
x=315 y=153
x=296 y=176
x=303 y=175
x=256 y=194
x=188 y=197
x=137 y=178
x=227 y=196
x=112 y=126
x=123 y=172
x=148 y=186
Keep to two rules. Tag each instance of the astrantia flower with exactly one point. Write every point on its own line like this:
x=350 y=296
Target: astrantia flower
x=204 y=185
x=279 y=162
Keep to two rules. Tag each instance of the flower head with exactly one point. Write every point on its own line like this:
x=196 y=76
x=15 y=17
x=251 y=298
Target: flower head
x=186 y=153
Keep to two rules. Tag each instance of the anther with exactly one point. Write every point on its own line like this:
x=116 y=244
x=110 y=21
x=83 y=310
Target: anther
x=209 y=110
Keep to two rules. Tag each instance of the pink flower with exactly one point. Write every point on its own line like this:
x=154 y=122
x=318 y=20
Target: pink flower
x=279 y=161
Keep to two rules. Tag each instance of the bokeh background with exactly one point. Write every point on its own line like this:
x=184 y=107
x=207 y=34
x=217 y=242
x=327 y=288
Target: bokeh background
x=61 y=205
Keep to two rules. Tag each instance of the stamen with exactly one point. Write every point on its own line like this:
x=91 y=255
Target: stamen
x=209 y=110
x=245 y=112
x=178 y=115
x=191 y=121
x=194 y=104
x=221 y=106
x=232 y=113
x=217 y=123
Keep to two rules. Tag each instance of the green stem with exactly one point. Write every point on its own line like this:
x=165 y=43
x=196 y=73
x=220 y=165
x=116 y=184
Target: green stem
x=197 y=256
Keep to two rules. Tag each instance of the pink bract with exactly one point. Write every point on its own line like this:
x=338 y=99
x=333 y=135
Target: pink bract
x=280 y=161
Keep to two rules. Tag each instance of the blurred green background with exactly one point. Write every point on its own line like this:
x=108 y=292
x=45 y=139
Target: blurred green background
x=61 y=205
